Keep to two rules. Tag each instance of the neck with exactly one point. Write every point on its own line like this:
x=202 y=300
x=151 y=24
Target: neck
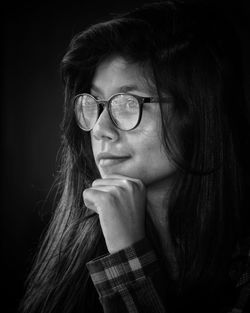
x=158 y=201
x=157 y=207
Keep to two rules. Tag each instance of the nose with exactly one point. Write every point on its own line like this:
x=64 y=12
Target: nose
x=104 y=128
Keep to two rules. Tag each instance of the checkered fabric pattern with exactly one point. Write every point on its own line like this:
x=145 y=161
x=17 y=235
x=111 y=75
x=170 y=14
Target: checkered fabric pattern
x=243 y=282
x=126 y=277
x=124 y=281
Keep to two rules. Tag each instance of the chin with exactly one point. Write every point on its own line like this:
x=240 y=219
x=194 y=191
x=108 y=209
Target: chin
x=107 y=173
x=115 y=171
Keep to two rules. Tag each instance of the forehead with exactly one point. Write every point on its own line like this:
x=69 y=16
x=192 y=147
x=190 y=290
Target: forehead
x=116 y=74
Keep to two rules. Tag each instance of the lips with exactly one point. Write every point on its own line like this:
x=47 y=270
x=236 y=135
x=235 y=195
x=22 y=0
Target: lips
x=105 y=158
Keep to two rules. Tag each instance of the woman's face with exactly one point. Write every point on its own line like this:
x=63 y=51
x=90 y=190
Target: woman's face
x=143 y=152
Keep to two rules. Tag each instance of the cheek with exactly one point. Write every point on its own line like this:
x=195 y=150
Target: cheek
x=150 y=155
x=94 y=145
x=148 y=138
x=153 y=163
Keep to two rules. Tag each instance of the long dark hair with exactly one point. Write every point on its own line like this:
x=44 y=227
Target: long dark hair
x=197 y=61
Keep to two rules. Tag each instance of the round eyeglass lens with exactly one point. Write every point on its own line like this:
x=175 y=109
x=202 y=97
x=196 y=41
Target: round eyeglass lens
x=125 y=110
x=86 y=110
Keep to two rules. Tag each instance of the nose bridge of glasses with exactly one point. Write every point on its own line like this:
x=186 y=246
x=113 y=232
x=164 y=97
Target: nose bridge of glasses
x=103 y=103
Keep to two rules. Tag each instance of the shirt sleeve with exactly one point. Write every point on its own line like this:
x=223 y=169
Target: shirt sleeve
x=125 y=280
x=240 y=271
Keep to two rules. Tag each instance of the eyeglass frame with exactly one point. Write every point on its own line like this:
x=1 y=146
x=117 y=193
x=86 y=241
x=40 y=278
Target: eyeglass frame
x=107 y=104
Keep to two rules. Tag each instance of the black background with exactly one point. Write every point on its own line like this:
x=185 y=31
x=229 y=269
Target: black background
x=35 y=37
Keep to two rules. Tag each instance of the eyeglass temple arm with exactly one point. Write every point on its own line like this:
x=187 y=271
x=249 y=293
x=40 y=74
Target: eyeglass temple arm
x=155 y=99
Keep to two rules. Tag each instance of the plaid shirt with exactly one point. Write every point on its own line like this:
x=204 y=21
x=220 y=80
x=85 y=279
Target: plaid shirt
x=131 y=281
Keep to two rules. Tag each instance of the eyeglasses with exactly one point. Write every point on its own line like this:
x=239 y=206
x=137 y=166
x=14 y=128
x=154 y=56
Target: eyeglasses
x=125 y=110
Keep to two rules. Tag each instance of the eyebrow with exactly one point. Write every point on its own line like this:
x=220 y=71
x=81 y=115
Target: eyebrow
x=125 y=88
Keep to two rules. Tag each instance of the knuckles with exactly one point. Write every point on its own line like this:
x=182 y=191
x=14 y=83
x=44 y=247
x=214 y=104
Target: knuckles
x=134 y=185
x=85 y=192
x=93 y=195
x=123 y=182
x=95 y=182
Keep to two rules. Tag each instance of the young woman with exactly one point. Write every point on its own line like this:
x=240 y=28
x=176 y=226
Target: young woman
x=154 y=213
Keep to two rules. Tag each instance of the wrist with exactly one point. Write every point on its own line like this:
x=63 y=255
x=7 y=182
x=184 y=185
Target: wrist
x=120 y=244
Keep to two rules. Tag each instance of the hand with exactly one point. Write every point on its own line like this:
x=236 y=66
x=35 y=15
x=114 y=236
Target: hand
x=120 y=203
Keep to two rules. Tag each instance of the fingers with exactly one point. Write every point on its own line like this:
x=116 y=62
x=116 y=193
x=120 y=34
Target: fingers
x=121 y=177
x=109 y=190
x=108 y=182
x=95 y=197
x=90 y=205
x=88 y=196
x=118 y=180
x=120 y=203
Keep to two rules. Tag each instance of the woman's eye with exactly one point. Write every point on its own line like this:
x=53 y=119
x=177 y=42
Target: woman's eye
x=131 y=104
